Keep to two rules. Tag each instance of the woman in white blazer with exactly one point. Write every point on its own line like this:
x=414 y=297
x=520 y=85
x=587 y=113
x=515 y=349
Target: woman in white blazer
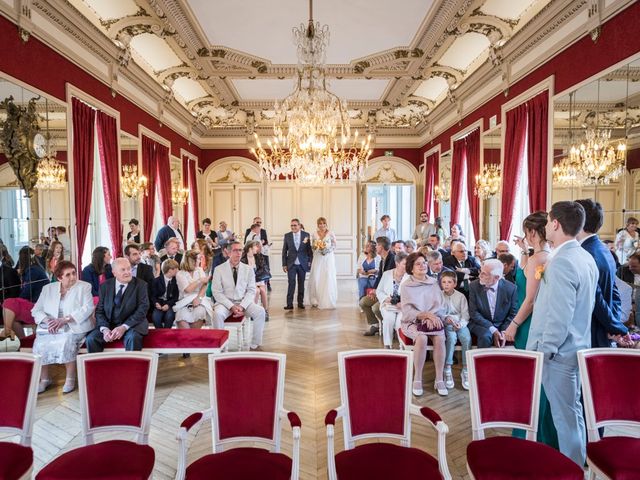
x=388 y=293
x=63 y=315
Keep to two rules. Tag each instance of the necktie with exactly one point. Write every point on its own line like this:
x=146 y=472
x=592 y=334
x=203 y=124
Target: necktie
x=118 y=299
x=235 y=275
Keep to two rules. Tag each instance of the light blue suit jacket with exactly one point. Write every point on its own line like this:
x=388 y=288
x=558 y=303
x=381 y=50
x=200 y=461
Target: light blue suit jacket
x=561 y=322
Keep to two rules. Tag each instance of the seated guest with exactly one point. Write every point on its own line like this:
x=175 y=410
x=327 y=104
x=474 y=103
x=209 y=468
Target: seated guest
x=63 y=316
x=171 y=248
x=121 y=311
x=493 y=302
x=410 y=246
x=367 y=268
x=251 y=256
x=398 y=246
x=630 y=272
x=64 y=238
x=224 y=235
x=456 y=234
x=502 y=247
x=509 y=267
x=234 y=288
x=98 y=271
x=207 y=234
x=133 y=236
x=436 y=266
x=55 y=254
x=164 y=295
x=219 y=259
x=9 y=278
x=170 y=230
x=456 y=319
x=611 y=245
x=466 y=267
x=422 y=304
x=369 y=303
x=17 y=311
x=205 y=253
x=482 y=251
x=150 y=257
x=39 y=254
x=193 y=307
x=388 y=294
x=434 y=243
x=253 y=233
x=138 y=269
x=440 y=230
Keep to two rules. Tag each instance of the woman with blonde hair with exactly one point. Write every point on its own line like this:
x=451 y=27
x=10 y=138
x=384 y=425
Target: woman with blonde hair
x=193 y=308
x=482 y=251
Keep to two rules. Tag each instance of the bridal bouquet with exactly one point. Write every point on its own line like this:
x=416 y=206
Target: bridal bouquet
x=321 y=246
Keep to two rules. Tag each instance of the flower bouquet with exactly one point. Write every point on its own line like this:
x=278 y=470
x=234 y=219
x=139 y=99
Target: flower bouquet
x=320 y=246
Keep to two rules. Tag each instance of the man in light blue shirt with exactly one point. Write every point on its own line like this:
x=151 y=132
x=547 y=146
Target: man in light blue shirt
x=386 y=230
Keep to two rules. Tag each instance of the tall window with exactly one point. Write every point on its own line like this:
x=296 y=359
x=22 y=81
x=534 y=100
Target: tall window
x=397 y=201
x=521 y=208
x=465 y=214
x=14 y=228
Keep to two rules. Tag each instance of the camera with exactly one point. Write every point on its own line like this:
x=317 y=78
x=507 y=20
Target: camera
x=395 y=299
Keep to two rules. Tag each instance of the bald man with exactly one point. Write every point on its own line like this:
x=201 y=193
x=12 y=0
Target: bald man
x=121 y=312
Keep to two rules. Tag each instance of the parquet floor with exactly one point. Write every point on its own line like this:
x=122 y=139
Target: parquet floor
x=311 y=339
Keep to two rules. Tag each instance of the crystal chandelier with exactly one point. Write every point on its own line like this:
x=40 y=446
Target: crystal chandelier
x=488 y=182
x=131 y=184
x=51 y=173
x=312 y=140
x=179 y=194
x=565 y=173
x=597 y=161
x=442 y=192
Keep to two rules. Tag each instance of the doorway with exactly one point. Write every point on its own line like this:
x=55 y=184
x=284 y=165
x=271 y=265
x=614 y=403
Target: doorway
x=397 y=201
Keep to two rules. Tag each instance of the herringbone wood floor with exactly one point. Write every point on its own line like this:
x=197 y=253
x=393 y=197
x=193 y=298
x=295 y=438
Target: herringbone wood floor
x=311 y=339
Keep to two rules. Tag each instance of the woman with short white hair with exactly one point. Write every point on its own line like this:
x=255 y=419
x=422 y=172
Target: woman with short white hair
x=482 y=251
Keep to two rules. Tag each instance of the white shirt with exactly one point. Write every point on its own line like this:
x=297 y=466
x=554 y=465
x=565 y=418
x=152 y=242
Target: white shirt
x=492 y=296
x=296 y=242
x=102 y=329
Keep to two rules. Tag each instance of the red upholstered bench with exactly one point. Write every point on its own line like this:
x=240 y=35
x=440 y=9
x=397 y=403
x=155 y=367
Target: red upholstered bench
x=166 y=340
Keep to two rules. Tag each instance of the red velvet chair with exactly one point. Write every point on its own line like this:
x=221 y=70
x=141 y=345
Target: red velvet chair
x=116 y=394
x=504 y=392
x=20 y=373
x=247 y=391
x=375 y=391
x=241 y=325
x=610 y=392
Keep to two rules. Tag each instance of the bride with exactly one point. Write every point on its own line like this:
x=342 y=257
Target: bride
x=323 y=285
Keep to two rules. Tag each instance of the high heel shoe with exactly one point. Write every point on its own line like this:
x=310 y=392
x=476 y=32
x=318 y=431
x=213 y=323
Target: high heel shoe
x=4 y=334
x=417 y=389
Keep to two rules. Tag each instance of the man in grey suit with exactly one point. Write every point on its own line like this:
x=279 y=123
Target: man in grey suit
x=561 y=323
x=493 y=302
x=296 y=261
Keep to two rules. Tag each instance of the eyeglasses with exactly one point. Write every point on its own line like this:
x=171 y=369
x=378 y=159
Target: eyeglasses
x=294 y=225
x=236 y=250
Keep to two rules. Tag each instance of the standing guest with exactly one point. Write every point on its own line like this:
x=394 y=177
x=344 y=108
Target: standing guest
x=482 y=251
x=234 y=288
x=264 y=240
x=39 y=255
x=367 y=268
x=440 y=230
x=171 y=248
x=423 y=229
x=224 y=235
x=369 y=303
x=297 y=255
x=466 y=267
x=561 y=323
x=253 y=233
x=386 y=230
x=509 y=263
x=98 y=271
x=63 y=316
x=133 y=235
x=194 y=307
x=17 y=311
x=164 y=295
x=410 y=246
x=262 y=233
x=436 y=265
x=493 y=302
x=52 y=234
x=388 y=294
x=170 y=230
x=456 y=234
x=251 y=256
x=138 y=269
x=606 y=318
x=150 y=257
x=611 y=246
x=121 y=312
x=627 y=240
x=422 y=305
x=207 y=234
x=456 y=319
x=64 y=238
x=55 y=254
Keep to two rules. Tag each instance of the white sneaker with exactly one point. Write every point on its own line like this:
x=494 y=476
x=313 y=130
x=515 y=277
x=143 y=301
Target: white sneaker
x=448 y=378
x=464 y=376
x=441 y=388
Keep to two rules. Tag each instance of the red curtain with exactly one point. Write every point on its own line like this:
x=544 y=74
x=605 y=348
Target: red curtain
x=83 y=132
x=149 y=200
x=472 y=146
x=458 y=162
x=186 y=207
x=108 y=149
x=431 y=178
x=193 y=197
x=163 y=172
x=515 y=136
x=538 y=125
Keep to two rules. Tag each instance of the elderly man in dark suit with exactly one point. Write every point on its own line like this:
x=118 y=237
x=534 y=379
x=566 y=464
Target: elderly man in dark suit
x=466 y=267
x=493 y=302
x=296 y=261
x=121 y=311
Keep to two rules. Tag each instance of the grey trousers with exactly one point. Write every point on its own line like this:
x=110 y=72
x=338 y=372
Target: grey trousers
x=371 y=309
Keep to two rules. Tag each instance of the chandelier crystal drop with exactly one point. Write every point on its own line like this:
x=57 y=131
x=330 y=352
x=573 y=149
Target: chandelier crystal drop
x=179 y=194
x=132 y=185
x=442 y=192
x=312 y=141
x=51 y=174
x=488 y=182
x=597 y=160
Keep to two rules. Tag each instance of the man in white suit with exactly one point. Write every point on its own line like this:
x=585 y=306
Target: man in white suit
x=561 y=323
x=234 y=289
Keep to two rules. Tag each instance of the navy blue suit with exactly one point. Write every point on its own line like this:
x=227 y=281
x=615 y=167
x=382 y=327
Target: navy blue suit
x=605 y=318
x=290 y=254
x=480 y=319
x=164 y=234
x=159 y=289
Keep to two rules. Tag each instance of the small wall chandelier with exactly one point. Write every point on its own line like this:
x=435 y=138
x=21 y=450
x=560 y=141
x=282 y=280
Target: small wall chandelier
x=442 y=192
x=132 y=185
x=51 y=173
x=488 y=182
x=179 y=194
x=312 y=140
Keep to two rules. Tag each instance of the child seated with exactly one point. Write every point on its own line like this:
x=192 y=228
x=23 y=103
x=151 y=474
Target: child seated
x=456 y=320
x=164 y=295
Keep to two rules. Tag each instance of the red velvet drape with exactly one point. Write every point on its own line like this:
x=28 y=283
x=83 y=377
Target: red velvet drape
x=193 y=197
x=108 y=149
x=84 y=118
x=431 y=179
x=163 y=172
x=186 y=207
x=458 y=165
x=472 y=144
x=149 y=200
x=538 y=125
x=515 y=136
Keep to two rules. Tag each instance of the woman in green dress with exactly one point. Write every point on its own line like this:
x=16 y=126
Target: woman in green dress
x=528 y=277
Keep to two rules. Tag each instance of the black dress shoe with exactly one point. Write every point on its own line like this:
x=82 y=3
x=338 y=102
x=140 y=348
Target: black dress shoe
x=289 y=307
x=300 y=305
x=372 y=331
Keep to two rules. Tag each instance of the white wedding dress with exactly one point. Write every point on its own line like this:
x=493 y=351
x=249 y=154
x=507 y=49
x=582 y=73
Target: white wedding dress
x=323 y=283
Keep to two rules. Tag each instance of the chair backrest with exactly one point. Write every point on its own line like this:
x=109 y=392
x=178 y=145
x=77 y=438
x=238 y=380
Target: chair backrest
x=247 y=395
x=504 y=389
x=116 y=392
x=609 y=389
x=20 y=373
x=375 y=390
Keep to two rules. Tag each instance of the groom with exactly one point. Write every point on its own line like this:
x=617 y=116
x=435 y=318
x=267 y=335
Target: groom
x=296 y=261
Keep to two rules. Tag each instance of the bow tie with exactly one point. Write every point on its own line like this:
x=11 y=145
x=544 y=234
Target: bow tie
x=492 y=289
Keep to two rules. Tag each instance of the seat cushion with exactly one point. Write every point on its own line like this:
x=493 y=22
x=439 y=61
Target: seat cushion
x=498 y=458
x=241 y=464
x=112 y=460
x=616 y=457
x=15 y=460
x=185 y=338
x=406 y=340
x=382 y=461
